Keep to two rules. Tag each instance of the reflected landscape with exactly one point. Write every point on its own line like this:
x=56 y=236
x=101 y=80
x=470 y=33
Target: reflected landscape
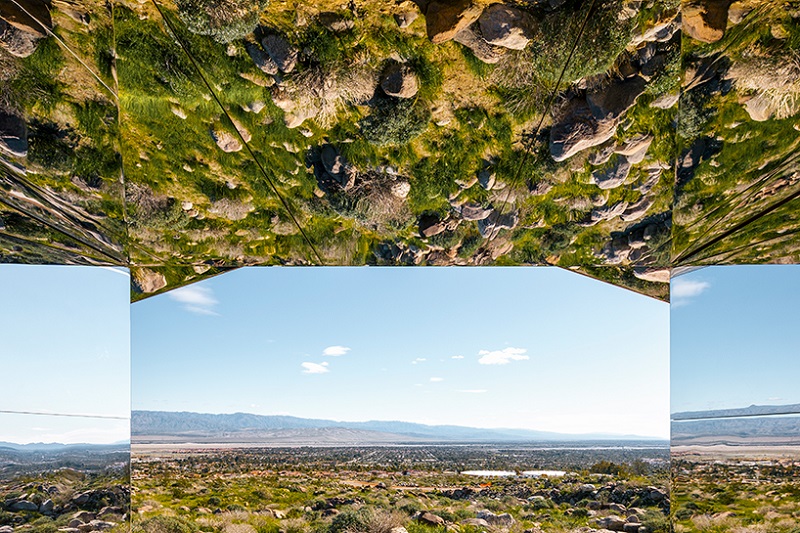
x=404 y=431
x=735 y=441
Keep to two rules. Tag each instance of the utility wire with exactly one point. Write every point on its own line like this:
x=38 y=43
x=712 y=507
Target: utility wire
x=548 y=106
x=67 y=48
x=45 y=413
x=271 y=183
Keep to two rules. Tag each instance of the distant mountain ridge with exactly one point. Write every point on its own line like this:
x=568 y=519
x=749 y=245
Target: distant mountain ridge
x=57 y=446
x=189 y=426
x=753 y=410
x=746 y=426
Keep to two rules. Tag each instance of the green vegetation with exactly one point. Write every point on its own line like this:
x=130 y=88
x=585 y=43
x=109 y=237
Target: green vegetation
x=222 y=20
x=735 y=495
x=376 y=490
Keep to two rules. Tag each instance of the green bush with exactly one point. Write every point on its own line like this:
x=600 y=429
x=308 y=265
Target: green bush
x=222 y=20
x=655 y=521
x=164 y=524
x=395 y=121
x=350 y=520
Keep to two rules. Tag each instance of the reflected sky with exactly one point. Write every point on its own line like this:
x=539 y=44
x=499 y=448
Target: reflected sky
x=734 y=337
x=533 y=348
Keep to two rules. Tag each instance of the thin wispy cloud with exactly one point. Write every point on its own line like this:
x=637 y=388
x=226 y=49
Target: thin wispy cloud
x=502 y=357
x=683 y=291
x=418 y=360
x=335 y=351
x=473 y=391
x=437 y=380
x=195 y=299
x=314 y=368
x=457 y=357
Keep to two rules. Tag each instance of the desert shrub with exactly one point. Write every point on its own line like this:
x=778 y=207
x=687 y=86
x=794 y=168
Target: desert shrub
x=349 y=521
x=51 y=147
x=525 y=79
x=395 y=121
x=164 y=524
x=655 y=521
x=222 y=20
x=37 y=82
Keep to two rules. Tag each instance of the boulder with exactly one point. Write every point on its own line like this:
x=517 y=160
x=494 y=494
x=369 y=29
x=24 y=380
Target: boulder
x=612 y=176
x=507 y=26
x=492 y=519
x=260 y=58
x=474 y=212
x=47 y=507
x=490 y=227
x=401 y=189
x=17 y=42
x=27 y=15
x=430 y=225
x=635 y=148
x=487 y=179
x=760 y=107
x=652 y=274
x=665 y=101
x=476 y=522
x=23 y=505
x=399 y=80
x=444 y=19
x=613 y=523
x=607 y=212
x=335 y=22
x=481 y=49
x=147 y=281
x=614 y=100
x=430 y=518
x=227 y=141
x=705 y=20
x=405 y=19
x=13 y=135
x=6 y=529
x=83 y=516
x=282 y=53
x=332 y=161
x=637 y=210
x=577 y=130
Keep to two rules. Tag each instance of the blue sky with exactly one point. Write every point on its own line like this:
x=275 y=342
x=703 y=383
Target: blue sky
x=735 y=337
x=65 y=334
x=536 y=348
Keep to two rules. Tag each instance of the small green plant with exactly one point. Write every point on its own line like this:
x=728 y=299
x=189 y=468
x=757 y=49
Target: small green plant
x=222 y=20
x=395 y=121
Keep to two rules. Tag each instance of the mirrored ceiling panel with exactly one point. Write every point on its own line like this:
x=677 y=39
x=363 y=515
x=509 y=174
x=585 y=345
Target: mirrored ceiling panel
x=59 y=155
x=432 y=133
x=739 y=129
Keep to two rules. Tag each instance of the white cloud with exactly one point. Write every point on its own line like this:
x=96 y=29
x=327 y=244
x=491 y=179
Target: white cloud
x=502 y=357
x=457 y=357
x=315 y=368
x=682 y=291
x=335 y=351
x=195 y=299
x=418 y=360
x=474 y=391
x=436 y=380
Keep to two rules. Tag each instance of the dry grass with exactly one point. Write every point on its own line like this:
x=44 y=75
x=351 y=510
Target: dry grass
x=771 y=76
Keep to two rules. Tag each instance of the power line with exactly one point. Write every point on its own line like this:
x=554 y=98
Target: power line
x=271 y=183
x=68 y=415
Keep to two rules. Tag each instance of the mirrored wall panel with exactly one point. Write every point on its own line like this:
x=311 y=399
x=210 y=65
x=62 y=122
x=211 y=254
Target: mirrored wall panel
x=735 y=404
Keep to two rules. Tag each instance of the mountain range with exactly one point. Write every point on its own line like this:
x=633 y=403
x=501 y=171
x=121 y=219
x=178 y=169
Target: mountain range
x=182 y=427
x=753 y=410
x=753 y=425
